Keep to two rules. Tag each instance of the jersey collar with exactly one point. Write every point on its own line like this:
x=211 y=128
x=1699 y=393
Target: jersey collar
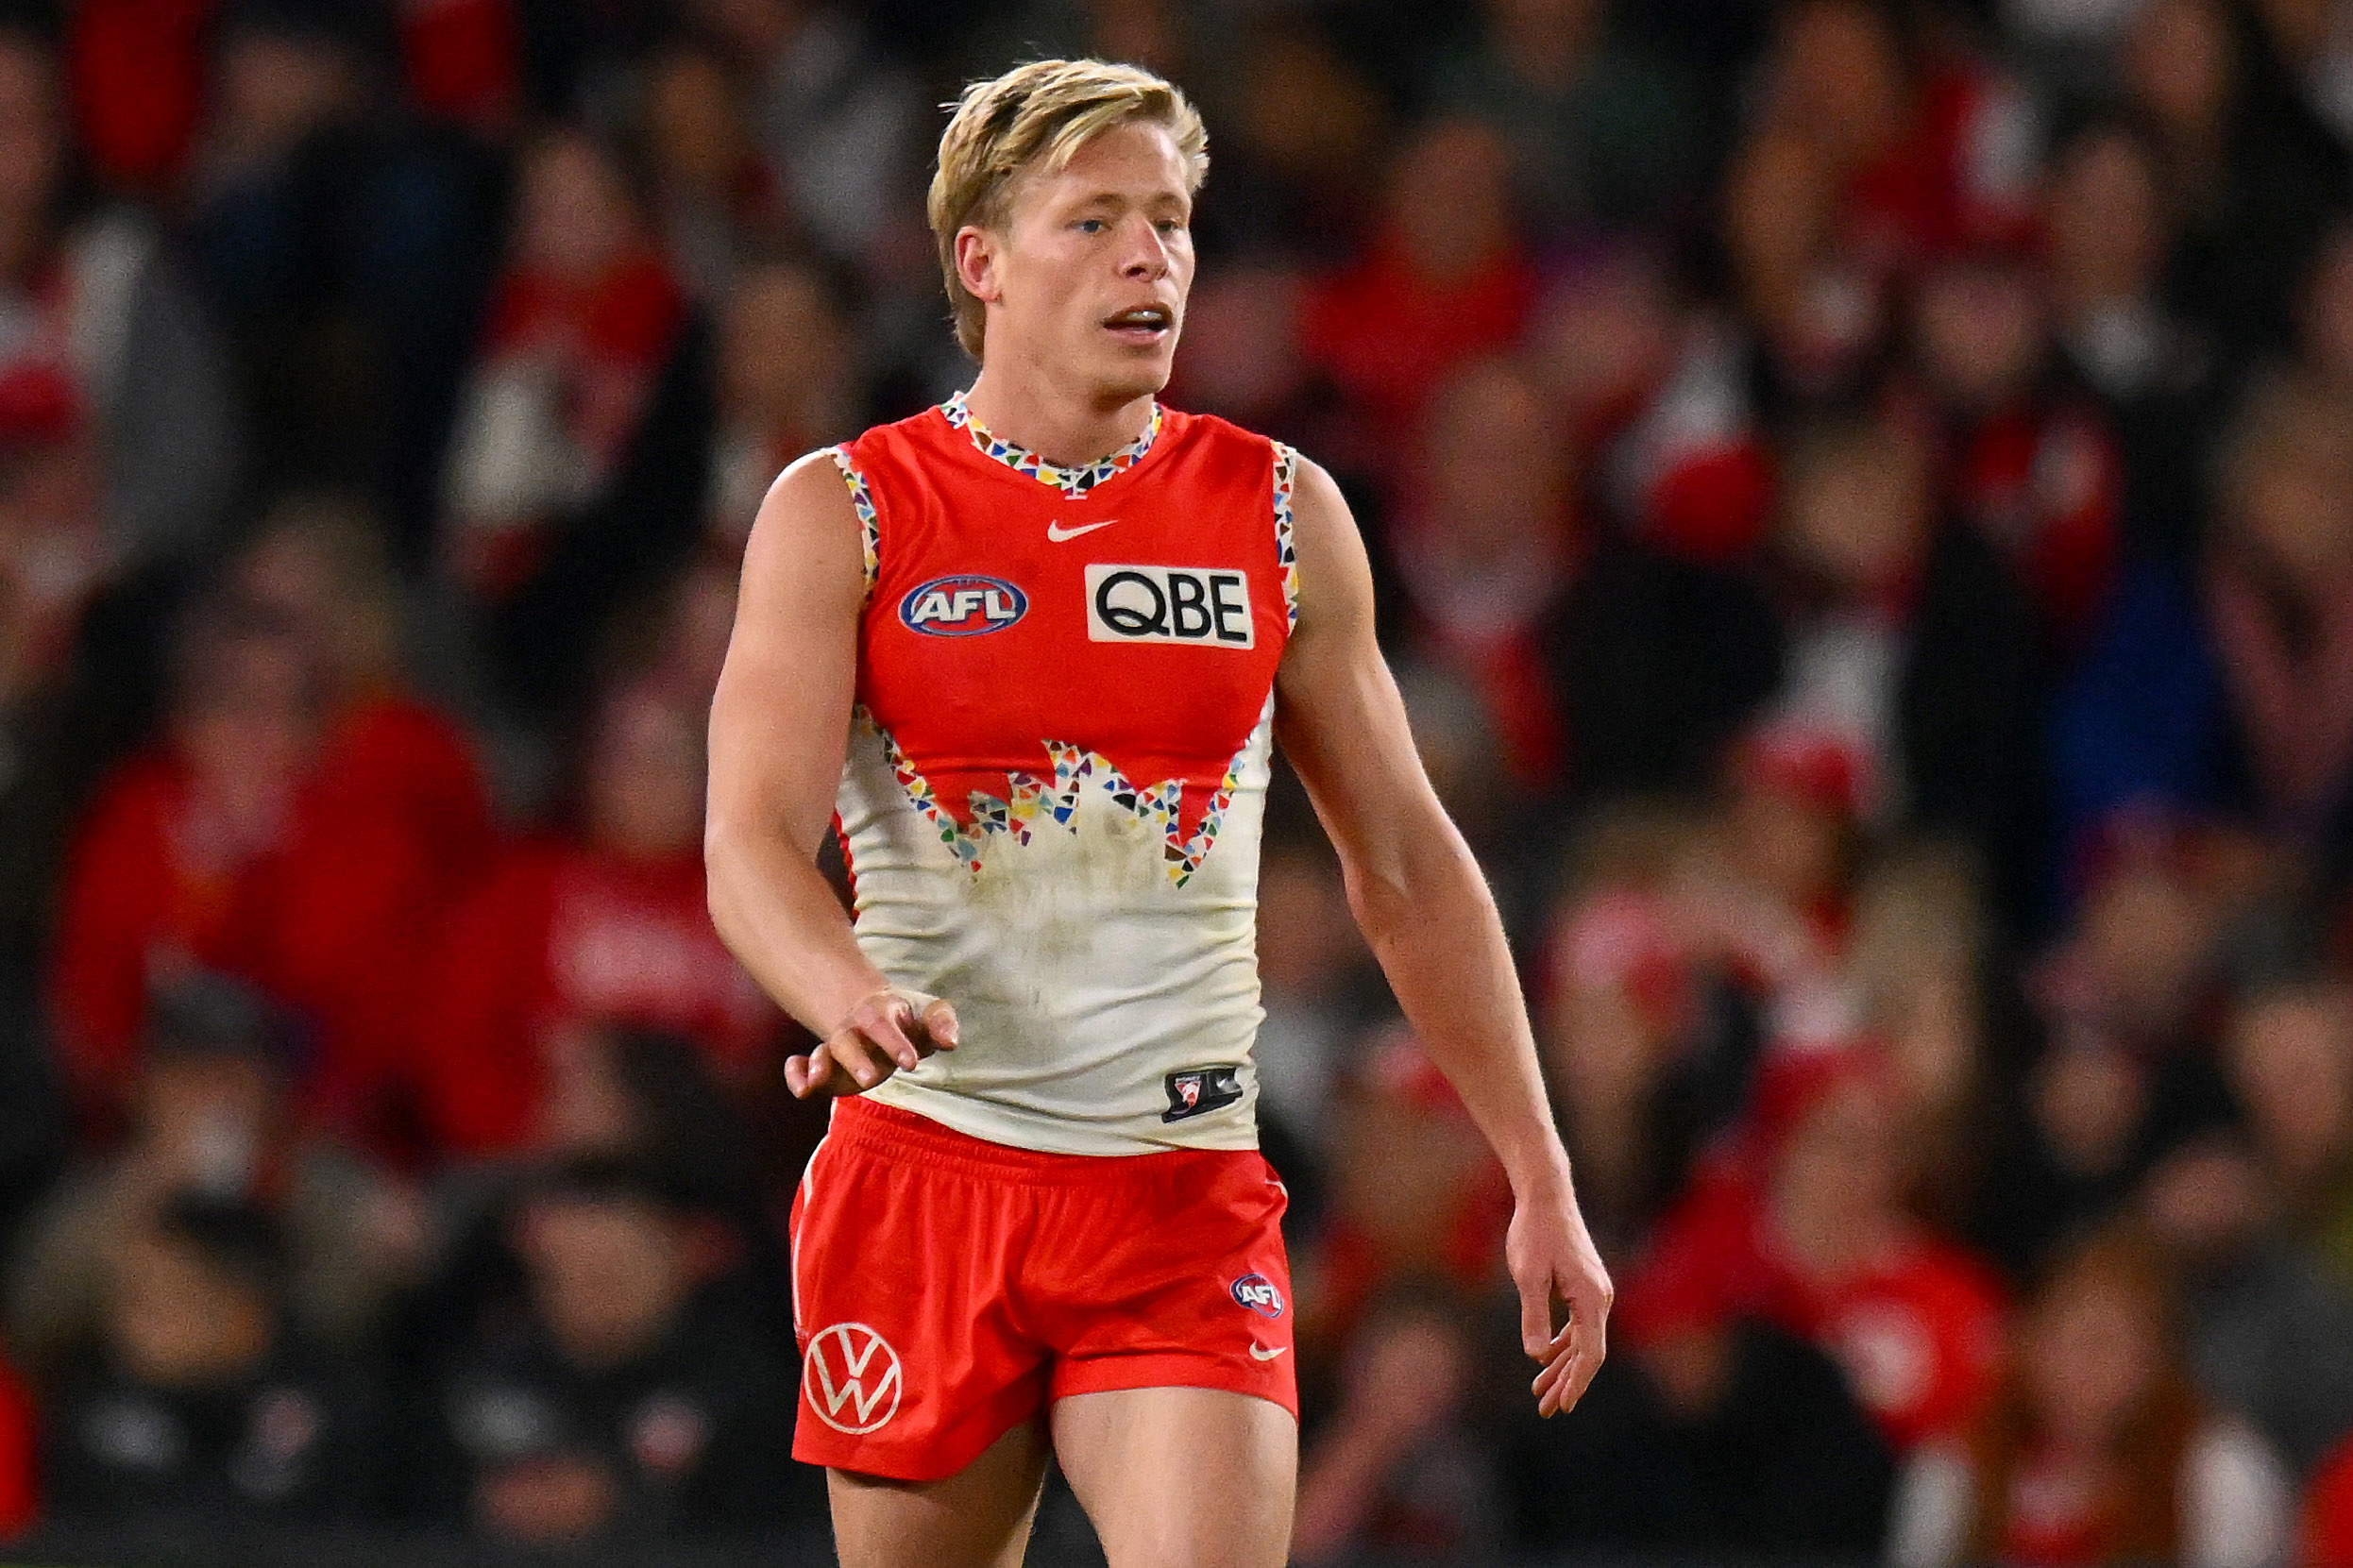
x=1072 y=483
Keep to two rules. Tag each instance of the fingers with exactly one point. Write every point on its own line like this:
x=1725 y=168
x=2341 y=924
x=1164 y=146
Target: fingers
x=884 y=1027
x=864 y=1061
x=807 y=1075
x=938 y=1021
x=1573 y=1357
x=1535 y=1319
x=846 y=1064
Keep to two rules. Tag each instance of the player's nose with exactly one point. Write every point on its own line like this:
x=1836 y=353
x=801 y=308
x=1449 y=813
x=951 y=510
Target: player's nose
x=1146 y=253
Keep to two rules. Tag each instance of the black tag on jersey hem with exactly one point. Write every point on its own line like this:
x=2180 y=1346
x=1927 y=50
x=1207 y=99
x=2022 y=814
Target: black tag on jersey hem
x=1198 y=1090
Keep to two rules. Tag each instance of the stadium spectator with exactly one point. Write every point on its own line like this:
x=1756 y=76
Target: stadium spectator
x=108 y=342
x=580 y=325
x=628 y=1400
x=2280 y=598
x=1644 y=1058
x=210 y=1116
x=712 y=195
x=837 y=122
x=1399 y=1470
x=1684 y=1443
x=1484 y=547
x=1443 y=281
x=1600 y=133
x=1770 y=456
x=153 y=881
x=197 y=1404
x=784 y=386
x=1415 y=1197
x=607 y=926
x=2257 y=176
x=1802 y=1225
x=2096 y=1450
x=2033 y=466
x=2109 y=233
x=345 y=250
x=1909 y=642
x=1312 y=975
x=2269 y=1320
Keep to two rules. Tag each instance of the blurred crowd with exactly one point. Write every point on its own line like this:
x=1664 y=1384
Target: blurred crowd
x=1862 y=496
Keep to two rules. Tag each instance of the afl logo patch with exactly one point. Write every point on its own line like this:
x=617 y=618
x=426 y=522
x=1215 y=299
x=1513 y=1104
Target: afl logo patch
x=965 y=605
x=1257 y=1293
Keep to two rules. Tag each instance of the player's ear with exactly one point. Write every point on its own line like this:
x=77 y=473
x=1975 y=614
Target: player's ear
x=977 y=253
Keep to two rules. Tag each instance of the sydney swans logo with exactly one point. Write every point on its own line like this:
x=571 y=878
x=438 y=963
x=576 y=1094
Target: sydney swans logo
x=844 y=1372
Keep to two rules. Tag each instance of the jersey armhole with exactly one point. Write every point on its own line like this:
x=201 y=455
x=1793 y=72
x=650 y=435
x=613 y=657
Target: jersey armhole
x=1286 y=557
x=869 y=521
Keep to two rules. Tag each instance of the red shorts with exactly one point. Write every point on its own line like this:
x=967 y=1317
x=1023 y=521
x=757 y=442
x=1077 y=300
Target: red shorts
x=947 y=1289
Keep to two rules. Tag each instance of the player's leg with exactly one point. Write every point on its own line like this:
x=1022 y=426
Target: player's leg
x=977 y=1518
x=1181 y=1477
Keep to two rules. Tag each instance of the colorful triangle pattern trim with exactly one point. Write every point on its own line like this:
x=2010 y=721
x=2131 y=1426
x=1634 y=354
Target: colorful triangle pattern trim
x=869 y=521
x=1072 y=483
x=1030 y=799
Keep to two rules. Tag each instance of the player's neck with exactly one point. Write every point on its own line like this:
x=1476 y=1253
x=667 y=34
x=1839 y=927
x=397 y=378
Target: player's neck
x=1064 y=427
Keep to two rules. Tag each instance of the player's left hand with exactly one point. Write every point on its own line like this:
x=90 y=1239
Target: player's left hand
x=1553 y=1259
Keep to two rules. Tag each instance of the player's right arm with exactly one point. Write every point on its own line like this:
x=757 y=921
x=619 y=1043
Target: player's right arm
x=780 y=725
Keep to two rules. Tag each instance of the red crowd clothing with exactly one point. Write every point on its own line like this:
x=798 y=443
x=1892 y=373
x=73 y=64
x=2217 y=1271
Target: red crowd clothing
x=610 y=336
x=131 y=904
x=1918 y=1330
x=946 y=1290
x=1388 y=335
x=340 y=926
x=2045 y=486
x=1965 y=178
x=463 y=59
x=565 y=936
x=2327 y=1539
x=332 y=919
x=136 y=69
x=20 y=1491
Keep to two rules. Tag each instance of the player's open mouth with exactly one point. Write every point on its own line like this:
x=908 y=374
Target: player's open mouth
x=1143 y=324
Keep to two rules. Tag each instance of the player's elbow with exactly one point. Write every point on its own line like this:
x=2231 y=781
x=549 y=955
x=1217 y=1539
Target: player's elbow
x=725 y=849
x=1415 y=876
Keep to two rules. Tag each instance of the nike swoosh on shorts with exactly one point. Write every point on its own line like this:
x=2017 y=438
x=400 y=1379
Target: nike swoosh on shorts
x=1060 y=534
x=1260 y=1353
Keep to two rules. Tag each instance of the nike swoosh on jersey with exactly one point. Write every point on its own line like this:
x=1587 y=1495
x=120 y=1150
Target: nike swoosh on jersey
x=1060 y=534
x=1260 y=1353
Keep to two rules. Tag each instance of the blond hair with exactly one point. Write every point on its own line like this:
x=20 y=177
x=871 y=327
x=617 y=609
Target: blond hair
x=1040 y=114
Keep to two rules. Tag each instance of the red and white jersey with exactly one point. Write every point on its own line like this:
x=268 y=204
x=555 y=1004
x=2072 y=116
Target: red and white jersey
x=1057 y=770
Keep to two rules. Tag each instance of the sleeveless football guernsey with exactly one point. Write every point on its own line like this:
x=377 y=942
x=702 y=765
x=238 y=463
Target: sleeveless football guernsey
x=1057 y=768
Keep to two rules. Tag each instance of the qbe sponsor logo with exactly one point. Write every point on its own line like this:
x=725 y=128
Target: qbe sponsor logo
x=964 y=605
x=852 y=1378
x=1190 y=606
x=1257 y=1293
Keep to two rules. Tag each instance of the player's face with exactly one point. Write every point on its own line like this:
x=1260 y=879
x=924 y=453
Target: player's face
x=1091 y=273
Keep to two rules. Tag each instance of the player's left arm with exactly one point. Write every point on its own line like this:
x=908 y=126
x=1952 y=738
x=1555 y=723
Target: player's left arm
x=1427 y=911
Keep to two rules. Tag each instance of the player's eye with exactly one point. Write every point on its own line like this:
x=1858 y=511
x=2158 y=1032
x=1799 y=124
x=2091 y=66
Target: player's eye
x=1090 y=226
x=1169 y=225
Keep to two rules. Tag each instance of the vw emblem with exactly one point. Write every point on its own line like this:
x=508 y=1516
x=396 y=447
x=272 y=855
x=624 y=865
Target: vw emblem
x=852 y=1378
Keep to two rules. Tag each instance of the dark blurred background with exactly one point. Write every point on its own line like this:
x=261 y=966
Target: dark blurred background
x=1863 y=499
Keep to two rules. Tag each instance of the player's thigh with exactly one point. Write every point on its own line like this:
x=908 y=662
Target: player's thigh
x=977 y=1518
x=1181 y=1477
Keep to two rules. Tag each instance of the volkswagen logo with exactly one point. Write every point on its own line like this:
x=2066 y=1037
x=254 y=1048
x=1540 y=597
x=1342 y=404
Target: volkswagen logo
x=852 y=1378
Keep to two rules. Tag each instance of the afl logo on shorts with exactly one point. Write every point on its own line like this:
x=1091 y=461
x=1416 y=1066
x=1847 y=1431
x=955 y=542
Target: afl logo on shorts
x=1190 y=606
x=1257 y=1293
x=852 y=1379
x=963 y=606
